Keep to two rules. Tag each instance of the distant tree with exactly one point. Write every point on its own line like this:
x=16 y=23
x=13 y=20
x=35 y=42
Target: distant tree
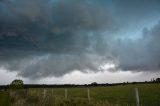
x=146 y=81
x=134 y=82
x=16 y=84
x=94 y=83
x=157 y=79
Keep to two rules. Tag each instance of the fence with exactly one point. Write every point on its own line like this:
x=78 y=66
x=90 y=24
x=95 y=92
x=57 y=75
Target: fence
x=89 y=97
x=45 y=94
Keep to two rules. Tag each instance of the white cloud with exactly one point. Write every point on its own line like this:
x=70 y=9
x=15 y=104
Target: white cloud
x=77 y=77
x=6 y=77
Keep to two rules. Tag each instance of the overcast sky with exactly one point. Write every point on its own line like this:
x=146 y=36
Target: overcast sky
x=79 y=41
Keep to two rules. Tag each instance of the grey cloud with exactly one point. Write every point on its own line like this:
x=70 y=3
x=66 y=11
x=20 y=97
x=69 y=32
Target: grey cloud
x=55 y=64
x=62 y=64
x=140 y=55
x=51 y=27
x=66 y=30
x=137 y=9
x=40 y=39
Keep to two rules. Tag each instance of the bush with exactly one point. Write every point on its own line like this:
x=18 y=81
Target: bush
x=16 y=84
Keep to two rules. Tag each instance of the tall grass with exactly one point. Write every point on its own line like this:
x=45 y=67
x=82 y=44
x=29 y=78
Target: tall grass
x=4 y=98
x=100 y=96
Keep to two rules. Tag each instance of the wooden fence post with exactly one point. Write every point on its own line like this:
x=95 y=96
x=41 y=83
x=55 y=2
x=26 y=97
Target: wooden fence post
x=52 y=91
x=137 y=97
x=26 y=92
x=88 y=93
x=44 y=93
x=65 y=93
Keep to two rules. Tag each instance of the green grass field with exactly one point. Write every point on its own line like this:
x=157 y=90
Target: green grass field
x=121 y=95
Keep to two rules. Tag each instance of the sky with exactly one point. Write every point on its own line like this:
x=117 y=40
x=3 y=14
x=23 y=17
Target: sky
x=79 y=41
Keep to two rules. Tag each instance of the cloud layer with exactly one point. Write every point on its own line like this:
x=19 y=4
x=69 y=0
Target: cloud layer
x=44 y=38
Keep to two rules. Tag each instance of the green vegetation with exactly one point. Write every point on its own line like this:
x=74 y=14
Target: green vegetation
x=4 y=98
x=121 y=95
x=16 y=84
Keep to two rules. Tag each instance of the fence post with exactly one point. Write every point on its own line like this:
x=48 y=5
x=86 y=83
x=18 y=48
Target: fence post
x=65 y=93
x=44 y=93
x=88 y=93
x=137 y=97
x=52 y=91
x=26 y=91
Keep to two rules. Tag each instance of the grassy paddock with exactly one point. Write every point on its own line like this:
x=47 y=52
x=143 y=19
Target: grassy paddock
x=121 y=95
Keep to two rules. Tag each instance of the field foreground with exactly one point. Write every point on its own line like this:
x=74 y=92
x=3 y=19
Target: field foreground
x=120 y=95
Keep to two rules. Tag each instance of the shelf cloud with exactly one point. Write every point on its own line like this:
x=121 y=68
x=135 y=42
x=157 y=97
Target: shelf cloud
x=41 y=38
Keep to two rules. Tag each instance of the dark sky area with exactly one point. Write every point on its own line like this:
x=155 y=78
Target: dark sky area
x=51 y=38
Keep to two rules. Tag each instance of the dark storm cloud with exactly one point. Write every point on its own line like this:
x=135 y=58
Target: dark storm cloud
x=142 y=54
x=51 y=26
x=50 y=37
x=40 y=38
x=137 y=8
